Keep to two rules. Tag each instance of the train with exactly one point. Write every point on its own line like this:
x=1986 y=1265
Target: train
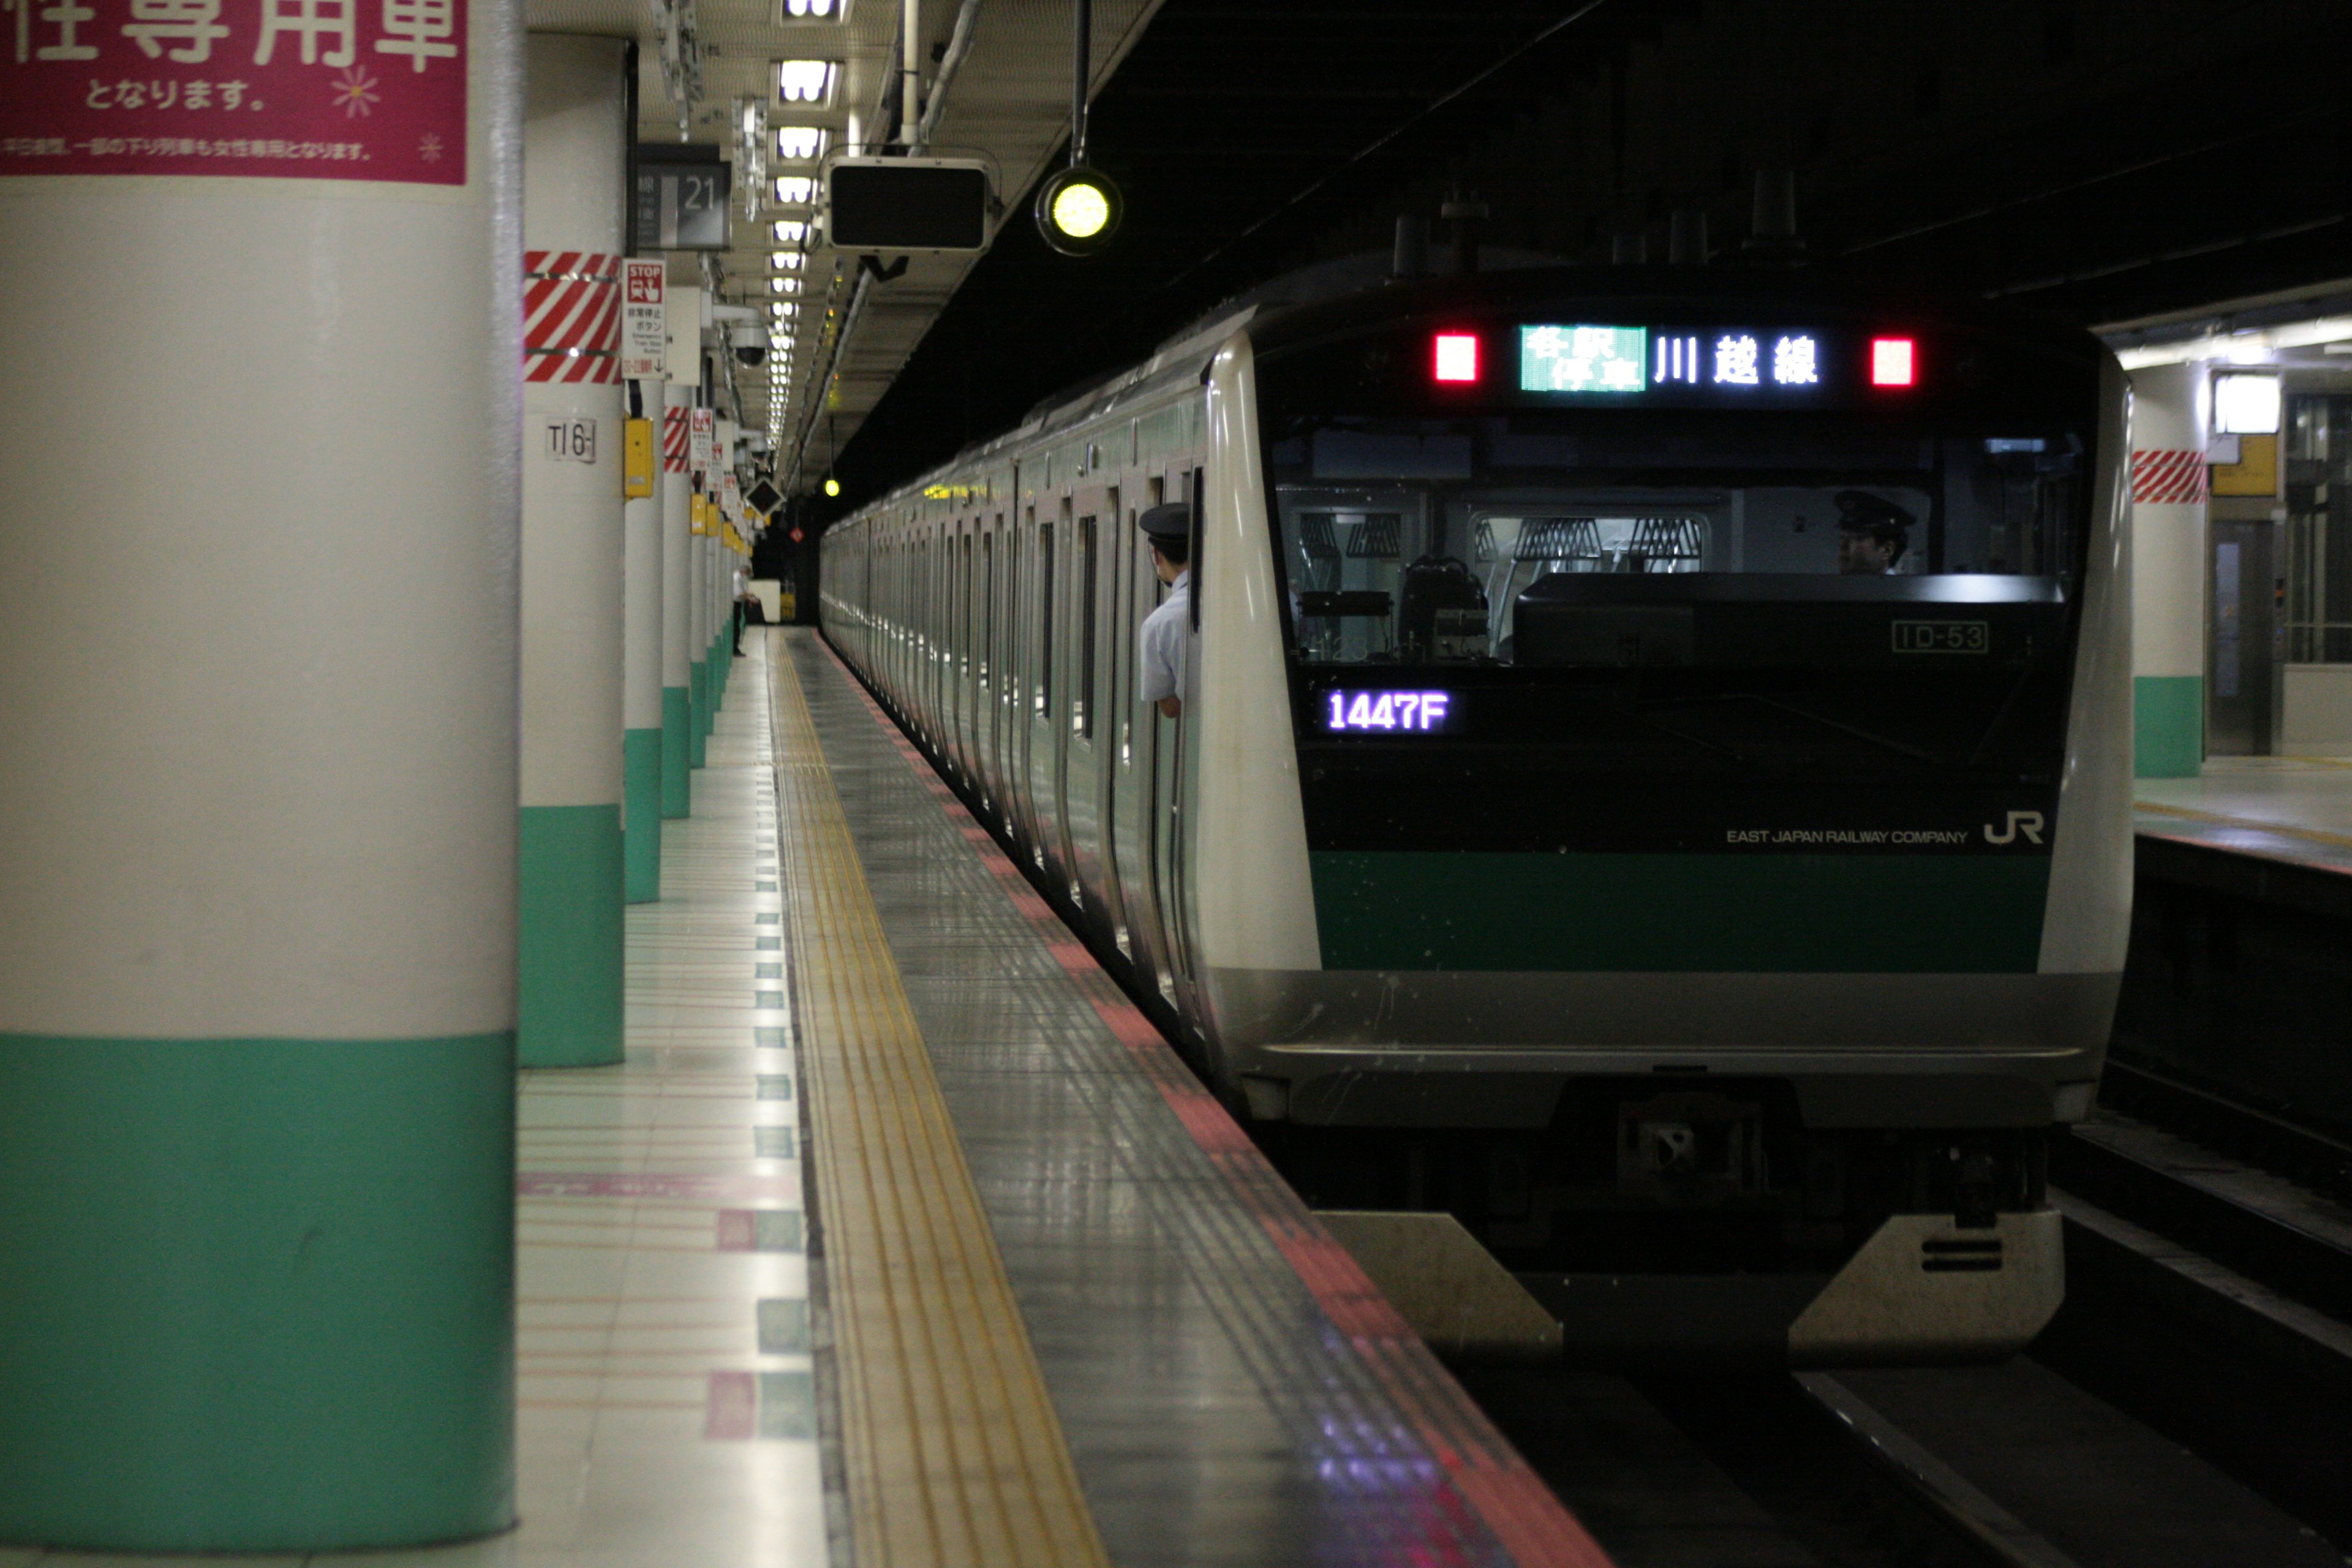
x=1653 y=775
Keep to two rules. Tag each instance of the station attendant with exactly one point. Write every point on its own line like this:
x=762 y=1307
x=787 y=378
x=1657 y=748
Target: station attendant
x=1165 y=641
x=742 y=593
x=1872 y=533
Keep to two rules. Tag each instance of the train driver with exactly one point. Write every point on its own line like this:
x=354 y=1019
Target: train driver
x=1872 y=533
x=1167 y=635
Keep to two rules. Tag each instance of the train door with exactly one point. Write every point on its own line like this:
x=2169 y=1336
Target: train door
x=961 y=652
x=1048 y=731
x=2243 y=671
x=1082 y=772
x=987 y=677
x=1171 y=767
x=1138 y=800
x=1117 y=729
x=1021 y=647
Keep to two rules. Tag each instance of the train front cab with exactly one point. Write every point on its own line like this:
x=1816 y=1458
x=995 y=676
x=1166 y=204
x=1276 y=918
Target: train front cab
x=1676 y=885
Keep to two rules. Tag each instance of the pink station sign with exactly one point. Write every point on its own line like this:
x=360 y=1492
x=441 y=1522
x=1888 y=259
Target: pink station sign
x=305 y=89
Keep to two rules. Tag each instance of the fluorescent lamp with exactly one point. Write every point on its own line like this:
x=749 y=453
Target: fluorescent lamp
x=2246 y=405
x=804 y=82
x=799 y=143
x=790 y=231
x=794 y=190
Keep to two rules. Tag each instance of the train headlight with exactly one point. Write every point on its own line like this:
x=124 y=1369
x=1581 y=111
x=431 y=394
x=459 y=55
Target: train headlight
x=1078 y=210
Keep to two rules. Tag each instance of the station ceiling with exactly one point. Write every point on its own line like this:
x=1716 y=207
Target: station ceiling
x=2102 y=159
x=996 y=72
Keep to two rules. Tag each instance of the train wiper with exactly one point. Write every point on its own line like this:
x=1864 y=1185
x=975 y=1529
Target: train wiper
x=1856 y=731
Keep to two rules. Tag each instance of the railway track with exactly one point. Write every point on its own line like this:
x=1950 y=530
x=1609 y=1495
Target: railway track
x=2191 y=1407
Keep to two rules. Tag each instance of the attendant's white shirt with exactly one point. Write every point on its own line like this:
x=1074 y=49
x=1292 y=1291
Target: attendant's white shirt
x=741 y=583
x=1166 y=642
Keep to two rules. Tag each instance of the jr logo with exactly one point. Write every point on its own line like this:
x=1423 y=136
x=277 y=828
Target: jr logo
x=2026 y=821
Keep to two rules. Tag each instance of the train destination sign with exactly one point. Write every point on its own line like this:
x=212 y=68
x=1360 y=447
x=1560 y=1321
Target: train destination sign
x=1612 y=361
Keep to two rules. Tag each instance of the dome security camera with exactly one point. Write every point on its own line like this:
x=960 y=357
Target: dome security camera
x=749 y=343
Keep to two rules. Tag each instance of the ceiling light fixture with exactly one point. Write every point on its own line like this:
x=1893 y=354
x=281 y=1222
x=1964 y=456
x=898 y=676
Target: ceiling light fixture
x=804 y=82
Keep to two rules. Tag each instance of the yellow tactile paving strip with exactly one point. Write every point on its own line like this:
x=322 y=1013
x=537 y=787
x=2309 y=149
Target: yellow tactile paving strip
x=952 y=1450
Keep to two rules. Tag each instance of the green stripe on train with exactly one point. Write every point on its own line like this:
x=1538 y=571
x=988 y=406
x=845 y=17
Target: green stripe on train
x=1721 y=913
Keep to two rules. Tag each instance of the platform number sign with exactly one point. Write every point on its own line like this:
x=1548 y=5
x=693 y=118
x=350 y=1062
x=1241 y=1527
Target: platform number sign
x=571 y=440
x=681 y=204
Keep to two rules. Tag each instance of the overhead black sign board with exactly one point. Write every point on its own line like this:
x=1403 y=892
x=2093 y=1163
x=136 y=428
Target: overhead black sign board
x=681 y=198
x=906 y=204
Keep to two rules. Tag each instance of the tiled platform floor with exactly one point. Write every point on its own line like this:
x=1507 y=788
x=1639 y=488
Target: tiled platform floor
x=665 y=1377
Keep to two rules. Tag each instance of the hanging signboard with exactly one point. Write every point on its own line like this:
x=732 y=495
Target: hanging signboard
x=304 y=89
x=702 y=430
x=681 y=198
x=645 y=319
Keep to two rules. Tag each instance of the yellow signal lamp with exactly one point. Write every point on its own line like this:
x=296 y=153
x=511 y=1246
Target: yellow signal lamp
x=832 y=486
x=1078 y=210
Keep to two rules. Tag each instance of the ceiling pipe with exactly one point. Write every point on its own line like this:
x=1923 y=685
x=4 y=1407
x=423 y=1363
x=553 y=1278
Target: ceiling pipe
x=959 y=46
x=1082 y=48
x=911 y=77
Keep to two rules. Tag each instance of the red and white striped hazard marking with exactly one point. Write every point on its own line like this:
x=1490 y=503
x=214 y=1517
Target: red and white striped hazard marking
x=570 y=316
x=2165 y=476
x=675 y=439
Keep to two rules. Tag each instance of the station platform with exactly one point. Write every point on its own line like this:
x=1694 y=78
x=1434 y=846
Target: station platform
x=902 y=1240
x=2296 y=810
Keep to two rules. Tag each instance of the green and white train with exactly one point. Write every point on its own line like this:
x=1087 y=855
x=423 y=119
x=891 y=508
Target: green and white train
x=1654 y=774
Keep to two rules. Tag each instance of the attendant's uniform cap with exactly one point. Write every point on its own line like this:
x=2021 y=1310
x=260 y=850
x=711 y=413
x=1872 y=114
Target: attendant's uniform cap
x=1170 y=520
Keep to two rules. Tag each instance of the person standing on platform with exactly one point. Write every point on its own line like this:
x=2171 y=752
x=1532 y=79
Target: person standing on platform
x=742 y=592
x=1166 y=637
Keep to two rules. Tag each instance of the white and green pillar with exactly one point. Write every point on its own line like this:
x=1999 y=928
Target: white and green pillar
x=575 y=141
x=2168 y=533
x=257 y=902
x=641 y=672
x=677 y=667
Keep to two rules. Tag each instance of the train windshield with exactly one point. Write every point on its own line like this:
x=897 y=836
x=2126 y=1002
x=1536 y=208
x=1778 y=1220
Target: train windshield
x=1549 y=540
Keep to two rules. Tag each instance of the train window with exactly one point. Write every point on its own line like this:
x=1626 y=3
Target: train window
x=1419 y=541
x=1083 y=698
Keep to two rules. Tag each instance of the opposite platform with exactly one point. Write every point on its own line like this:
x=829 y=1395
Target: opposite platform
x=1219 y=1377
x=2292 y=809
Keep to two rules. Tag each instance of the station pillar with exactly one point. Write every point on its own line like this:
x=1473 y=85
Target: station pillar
x=575 y=143
x=677 y=497
x=257 y=902
x=2168 y=535
x=641 y=661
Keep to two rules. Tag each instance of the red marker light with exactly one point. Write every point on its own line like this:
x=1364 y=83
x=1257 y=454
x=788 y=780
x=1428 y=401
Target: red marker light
x=1457 y=357
x=1892 y=363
